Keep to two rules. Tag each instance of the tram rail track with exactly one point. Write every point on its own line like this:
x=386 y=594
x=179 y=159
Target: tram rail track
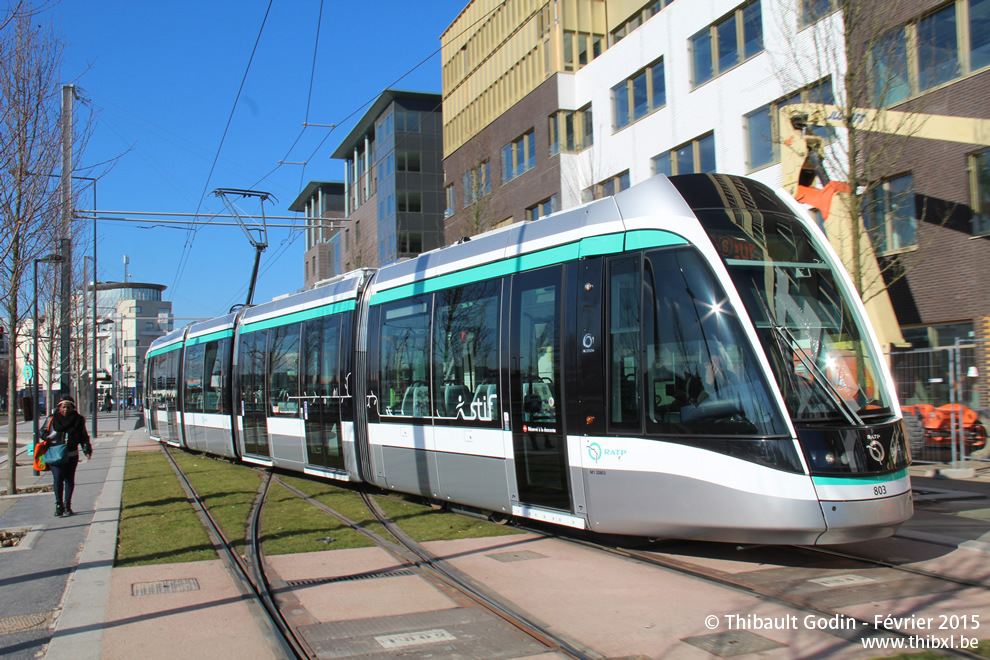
x=407 y=550
x=268 y=600
x=248 y=574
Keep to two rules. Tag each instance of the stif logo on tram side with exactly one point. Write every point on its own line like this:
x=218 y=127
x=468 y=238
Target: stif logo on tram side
x=595 y=452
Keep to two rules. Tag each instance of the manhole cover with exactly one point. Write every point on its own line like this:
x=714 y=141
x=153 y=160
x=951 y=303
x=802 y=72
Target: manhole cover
x=521 y=555
x=25 y=622
x=164 y=587
x=842 y=580
x=733 y=643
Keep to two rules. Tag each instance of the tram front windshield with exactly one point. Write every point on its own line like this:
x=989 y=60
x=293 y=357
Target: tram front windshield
x=818 y=351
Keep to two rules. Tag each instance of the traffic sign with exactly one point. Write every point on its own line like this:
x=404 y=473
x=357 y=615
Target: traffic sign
x=28 y=372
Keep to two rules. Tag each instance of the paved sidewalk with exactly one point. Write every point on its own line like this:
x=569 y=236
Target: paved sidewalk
x=56 y=581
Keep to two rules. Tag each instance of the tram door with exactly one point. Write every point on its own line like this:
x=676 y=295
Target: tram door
x=170 y=398
x=251 y=391
x=322 y=392
x=540 y=450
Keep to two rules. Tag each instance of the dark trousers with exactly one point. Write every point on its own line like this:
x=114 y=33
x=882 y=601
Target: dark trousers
x=65 y=480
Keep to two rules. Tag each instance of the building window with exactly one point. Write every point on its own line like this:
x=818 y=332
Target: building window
x=607 y=188
x=930 y=51
x=571 y=131
x=639 y=17
x=697 y=156
x=580 y=48
x=979 y=168
x=546 y=207
x=410 y=242
x=813 y=11
x=410 y=201
x=407 y=121
x=762 y=128
x=408 y=161
x=723 y=45
x=477 y=183
x=889 y=214
x=449 y=211
x=639 y=95
x=518 y=156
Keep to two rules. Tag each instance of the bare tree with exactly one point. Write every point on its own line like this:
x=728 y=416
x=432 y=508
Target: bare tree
x=30 y=149
x=845 y=56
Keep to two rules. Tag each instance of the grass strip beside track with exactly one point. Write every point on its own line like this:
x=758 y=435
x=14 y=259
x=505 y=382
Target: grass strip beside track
x=292 y=525
x=342 y=500
x=424 y=524
x=226 y=489
x=157 y=524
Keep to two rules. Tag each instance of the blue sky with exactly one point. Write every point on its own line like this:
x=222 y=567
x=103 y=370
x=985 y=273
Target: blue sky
x=161 y=81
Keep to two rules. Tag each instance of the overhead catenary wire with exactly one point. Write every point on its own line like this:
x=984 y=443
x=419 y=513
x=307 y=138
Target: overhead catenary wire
x=191 y=235
x=271 y=259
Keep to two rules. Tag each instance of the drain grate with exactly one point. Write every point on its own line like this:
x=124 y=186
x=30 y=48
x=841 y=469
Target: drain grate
x=521 y=555
x=733 y=643
x=164 y=587
x=25 y=622
x=350 y=578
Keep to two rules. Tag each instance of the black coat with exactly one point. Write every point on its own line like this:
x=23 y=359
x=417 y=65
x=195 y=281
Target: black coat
x=71 y=431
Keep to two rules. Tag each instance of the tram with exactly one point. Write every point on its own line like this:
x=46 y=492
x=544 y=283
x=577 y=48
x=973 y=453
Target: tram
x=686 y=359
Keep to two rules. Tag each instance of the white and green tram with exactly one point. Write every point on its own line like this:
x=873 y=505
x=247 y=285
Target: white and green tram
x=685 y=359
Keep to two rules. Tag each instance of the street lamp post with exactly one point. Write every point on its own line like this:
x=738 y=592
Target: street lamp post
x=47 y=259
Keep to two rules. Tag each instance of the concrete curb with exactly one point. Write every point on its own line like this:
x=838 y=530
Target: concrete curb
x=79 y=628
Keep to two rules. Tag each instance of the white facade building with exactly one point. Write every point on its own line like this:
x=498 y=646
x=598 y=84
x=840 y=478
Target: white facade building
x=716 y=108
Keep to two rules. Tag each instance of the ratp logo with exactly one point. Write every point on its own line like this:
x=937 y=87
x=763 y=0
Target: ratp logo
x=596 y=452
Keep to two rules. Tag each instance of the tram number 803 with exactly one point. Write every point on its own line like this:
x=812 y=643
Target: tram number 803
x=879 y=490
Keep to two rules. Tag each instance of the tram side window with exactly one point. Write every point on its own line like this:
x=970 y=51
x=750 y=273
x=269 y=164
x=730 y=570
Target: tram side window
x=251 y=372
x=192 y=397
x=404 y=358
x=465 y=352
x=215 y=371
x=283 y=387
x=624 y=350
x=172 y=379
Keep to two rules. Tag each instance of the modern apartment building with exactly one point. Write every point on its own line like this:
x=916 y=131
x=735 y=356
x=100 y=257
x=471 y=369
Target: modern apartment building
x=322 y=203
x=393 y=186
x=549 y=103
x=130 y=315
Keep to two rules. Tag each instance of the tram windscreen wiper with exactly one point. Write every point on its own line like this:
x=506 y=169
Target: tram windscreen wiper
x=817 y=377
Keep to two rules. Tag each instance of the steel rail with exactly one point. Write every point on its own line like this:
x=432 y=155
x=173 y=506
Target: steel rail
x=264 y=608
x=422 y=560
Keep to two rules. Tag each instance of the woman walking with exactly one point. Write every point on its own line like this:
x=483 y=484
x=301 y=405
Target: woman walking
x=67 y=427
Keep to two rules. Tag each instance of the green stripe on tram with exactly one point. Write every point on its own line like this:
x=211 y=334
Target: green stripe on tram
x=865 y=480
x=212 y=336
x=298 y=317
x=586 y=247
x=164 y=349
